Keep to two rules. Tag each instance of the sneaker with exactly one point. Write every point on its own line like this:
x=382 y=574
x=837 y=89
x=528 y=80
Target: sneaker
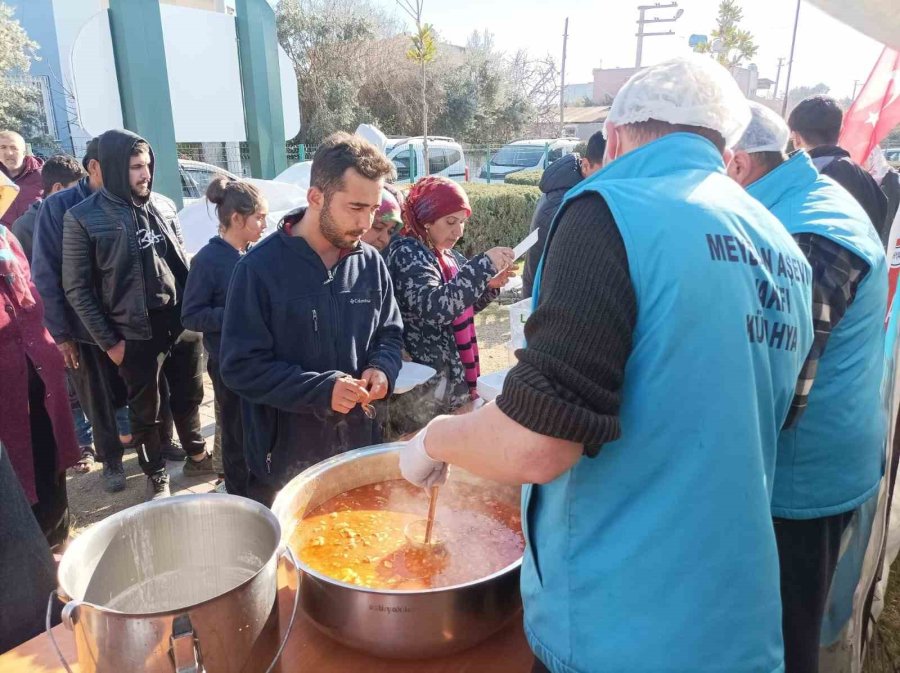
x=195 y=468
x=87 y=460
x=113 y=477
x=158 y=486
x=220 y=488
x=172 y=451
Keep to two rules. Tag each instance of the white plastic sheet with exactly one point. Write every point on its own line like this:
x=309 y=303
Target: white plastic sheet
x=199 y=222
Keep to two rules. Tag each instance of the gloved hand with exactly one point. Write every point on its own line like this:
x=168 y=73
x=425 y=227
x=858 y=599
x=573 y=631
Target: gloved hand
x=417 y=467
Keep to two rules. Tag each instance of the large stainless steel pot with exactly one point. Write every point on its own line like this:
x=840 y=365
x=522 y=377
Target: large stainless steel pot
x=184 y=584
x=388 y=623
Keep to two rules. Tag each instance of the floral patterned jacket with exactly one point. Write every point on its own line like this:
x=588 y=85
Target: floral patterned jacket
x=429 y=306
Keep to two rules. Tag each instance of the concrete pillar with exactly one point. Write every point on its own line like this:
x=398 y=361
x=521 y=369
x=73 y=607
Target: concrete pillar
x=137 y=38
x=258 y=52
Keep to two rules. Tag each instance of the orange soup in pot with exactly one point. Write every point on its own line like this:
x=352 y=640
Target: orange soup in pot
x=361 y=536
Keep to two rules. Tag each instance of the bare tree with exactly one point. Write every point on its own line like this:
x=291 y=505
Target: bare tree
x=422 y=51
x=538 y=83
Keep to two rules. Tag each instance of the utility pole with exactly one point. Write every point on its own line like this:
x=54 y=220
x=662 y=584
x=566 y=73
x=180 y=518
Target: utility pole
x=642 y=22
x=787 y=84
x=778 y=78
x=562 y=82
x=855 y=85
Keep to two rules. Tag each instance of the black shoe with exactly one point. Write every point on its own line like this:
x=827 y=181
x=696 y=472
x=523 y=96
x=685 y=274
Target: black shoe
x=158 y=486
x=199 y=468
x=172 y=451
x=113 y=476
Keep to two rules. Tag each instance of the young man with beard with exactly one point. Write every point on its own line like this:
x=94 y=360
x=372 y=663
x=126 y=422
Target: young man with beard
x=124 y=270
x=312 y=333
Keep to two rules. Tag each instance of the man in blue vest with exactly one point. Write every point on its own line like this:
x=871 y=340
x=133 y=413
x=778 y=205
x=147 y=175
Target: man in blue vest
x=831 y=448
x=672 y=316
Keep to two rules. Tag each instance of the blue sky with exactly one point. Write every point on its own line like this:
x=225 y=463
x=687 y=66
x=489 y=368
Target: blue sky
x=601 y=33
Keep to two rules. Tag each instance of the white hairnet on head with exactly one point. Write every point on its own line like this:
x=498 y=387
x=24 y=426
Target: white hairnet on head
x=767 y=131
x=692 y=90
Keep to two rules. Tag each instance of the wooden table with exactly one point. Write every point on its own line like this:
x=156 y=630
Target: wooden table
x=308 y=650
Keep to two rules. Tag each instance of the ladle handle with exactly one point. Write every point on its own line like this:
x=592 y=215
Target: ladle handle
x=49 y=627
x=290 y=554
x=432 y=507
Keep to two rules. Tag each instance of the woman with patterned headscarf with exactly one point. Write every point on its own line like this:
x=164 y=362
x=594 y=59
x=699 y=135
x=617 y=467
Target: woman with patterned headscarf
x=388 y=221
x=439 y=291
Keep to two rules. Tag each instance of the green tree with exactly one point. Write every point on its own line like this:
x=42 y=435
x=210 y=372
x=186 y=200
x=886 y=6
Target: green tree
x=736 y=44
x=330 y=43
x=18 y=99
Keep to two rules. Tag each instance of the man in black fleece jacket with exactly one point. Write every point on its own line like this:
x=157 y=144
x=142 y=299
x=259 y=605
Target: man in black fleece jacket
x=124 y=270
x=312 y=333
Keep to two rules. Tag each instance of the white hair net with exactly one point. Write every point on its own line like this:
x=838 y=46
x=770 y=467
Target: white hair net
x=692 y=90
x=767 y=131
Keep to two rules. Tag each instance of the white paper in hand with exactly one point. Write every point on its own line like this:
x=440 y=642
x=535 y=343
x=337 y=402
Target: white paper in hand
x=526 y=244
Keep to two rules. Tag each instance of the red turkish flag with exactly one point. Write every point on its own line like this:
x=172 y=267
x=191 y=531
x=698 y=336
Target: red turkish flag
x=876 y=111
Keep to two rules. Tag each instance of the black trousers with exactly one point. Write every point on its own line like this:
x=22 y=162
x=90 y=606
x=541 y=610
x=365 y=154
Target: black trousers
x=232 y=429
x=167 y=423
x=259 y=491
x=52 y=508
x=178 y=354
x=808 y=554
x=100 y=391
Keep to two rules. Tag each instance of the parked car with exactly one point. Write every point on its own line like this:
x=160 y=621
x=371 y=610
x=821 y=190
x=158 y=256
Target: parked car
x=526 y=155
x=195 y=178
x=445 y=157
x=892 y=154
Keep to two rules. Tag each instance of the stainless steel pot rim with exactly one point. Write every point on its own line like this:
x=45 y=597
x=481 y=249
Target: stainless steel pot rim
x=326 y=465
x=82 y=539
x=409 y=592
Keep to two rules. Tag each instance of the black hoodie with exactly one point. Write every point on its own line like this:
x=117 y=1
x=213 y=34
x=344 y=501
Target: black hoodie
x=115 y=148
x=560 y=177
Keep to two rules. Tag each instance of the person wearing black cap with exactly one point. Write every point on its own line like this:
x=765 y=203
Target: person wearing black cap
x=124 y=270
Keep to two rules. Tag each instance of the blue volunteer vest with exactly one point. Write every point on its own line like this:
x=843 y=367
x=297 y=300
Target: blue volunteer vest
x=658 y=555
x=831 y=460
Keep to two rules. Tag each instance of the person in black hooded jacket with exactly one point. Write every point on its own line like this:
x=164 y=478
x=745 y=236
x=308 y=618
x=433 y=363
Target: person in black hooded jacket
x=560 y=177
x=124 y=270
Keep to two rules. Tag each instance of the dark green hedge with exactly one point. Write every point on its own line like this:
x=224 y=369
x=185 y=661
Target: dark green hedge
x=501 y=215
x=529 y=178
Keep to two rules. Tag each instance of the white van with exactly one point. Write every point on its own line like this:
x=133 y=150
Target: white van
x=445 y=158
x=526 y=155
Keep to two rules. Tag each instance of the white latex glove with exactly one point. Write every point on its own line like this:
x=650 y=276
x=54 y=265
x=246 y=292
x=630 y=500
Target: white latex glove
x=417 y=467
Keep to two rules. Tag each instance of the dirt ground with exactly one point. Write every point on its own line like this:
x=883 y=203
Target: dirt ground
x=89 y=503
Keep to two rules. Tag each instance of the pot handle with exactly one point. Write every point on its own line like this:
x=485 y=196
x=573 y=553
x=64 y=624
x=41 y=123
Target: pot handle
x=68 y=619
x=293 y=561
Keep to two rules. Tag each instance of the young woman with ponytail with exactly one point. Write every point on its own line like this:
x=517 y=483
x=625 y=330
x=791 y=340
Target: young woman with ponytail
x=242 y=211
